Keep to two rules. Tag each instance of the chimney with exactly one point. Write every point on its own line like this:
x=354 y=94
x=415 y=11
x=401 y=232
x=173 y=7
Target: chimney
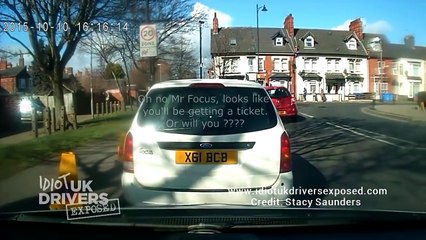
x=409 y=41
x=215 y=24
x=21 y=60
x=3 y=64
x=289 y=25
x=356 y=27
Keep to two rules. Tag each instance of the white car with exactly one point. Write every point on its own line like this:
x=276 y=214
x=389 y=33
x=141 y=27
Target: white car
x=206 y=142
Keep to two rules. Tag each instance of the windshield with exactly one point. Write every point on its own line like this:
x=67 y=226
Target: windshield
x=279 y=93
x=212 y=104
x=215 y=111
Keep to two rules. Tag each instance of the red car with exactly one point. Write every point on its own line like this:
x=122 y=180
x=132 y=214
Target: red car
x=283 y=101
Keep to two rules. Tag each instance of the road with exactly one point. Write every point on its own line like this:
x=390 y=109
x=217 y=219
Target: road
x=342 y=147
x=334 y=146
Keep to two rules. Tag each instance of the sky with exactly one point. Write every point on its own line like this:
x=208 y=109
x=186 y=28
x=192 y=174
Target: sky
x=396 y=19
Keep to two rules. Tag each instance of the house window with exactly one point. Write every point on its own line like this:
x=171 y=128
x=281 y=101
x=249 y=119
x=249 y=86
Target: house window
x=284 y=65
x=401 y=69
x=333 y=65
x=233 y=42
x=309 y=42
x=234 y=65
x=312 y=87
x=276 y=65
x=352 y=44
x=261 y=65
x=279 y=41
x=356 y=88
x=314 y=65
x=352 y=66
x=310 y=65
x=337 y=66
x=394 y=68
x=307 y=66
x=329 y=65
x=415 y=69
x=384 y=87
x=251 y=64
x=357 y=66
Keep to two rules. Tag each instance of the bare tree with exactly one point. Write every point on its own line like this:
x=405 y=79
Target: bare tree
x=180 y=54
x=170 y=16
x=221 y=52
x=61 y=25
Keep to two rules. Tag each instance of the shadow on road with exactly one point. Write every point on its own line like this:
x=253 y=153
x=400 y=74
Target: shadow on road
x=306 y=176
x=298 y=118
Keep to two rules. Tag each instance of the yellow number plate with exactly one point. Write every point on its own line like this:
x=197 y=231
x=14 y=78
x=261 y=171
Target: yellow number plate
x=206 y=157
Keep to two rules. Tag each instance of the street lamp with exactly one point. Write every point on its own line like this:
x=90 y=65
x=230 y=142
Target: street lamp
x=201 y=48
x=378 y=40
x=263 y=9
x=91 y=77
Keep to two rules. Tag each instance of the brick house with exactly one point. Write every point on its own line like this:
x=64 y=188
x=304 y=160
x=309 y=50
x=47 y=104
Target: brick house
x=14 y=80
x=235 y=54
x=392 y=68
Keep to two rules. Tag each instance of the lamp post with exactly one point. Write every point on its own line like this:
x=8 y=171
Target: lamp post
x=159 y=65
x=201 y=48
x=91 y=77
x=263 y=8
x=378 y=40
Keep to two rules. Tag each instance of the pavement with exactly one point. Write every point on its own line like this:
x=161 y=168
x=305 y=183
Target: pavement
x=28 y=135
x=404 y=112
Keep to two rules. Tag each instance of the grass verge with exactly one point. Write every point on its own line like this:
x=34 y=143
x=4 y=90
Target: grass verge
x=16 y=157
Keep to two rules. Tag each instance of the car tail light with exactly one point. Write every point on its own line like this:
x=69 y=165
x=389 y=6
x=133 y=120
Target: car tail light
x=285 y=161
x=127 y=155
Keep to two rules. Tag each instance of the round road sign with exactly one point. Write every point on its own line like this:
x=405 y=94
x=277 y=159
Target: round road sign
x=147 y=33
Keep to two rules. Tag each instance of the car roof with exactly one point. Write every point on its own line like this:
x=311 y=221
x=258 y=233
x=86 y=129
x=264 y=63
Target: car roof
x=225 y=82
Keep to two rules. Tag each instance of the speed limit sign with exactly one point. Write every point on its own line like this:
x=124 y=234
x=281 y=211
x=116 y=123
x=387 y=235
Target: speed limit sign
x=148 y=40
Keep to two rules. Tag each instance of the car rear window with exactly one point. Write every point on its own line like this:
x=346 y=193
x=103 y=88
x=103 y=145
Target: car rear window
x=279 y=93
x=207 y=111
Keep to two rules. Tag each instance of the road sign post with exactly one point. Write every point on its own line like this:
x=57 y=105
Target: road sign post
x=148 y=40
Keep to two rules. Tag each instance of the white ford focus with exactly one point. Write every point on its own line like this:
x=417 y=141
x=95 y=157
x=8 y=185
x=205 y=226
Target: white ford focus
x=206 y=142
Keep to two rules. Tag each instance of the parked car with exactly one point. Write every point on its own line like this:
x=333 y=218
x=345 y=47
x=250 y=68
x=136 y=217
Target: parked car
x=283 y=101
x=205 y=142
x=26 y=105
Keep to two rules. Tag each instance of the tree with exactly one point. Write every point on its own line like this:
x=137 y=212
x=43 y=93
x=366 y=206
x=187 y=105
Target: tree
x=221 y=52
x=114 y=69
x=170 y=16
x=181 y=56
x=61 y=24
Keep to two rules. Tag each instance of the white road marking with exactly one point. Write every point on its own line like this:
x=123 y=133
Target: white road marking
x=362 y=134
x=307 y=115
x=381 y=135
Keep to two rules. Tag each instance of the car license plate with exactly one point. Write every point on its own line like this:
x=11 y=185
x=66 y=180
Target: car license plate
x=206 y=157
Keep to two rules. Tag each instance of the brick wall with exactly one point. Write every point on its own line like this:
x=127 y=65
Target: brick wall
x=8 y=83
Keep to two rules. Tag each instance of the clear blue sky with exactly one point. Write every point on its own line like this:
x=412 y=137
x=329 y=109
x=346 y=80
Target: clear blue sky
x=395 y=18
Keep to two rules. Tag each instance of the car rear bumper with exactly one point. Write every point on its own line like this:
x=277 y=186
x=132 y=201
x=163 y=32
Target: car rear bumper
x=137 y=195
